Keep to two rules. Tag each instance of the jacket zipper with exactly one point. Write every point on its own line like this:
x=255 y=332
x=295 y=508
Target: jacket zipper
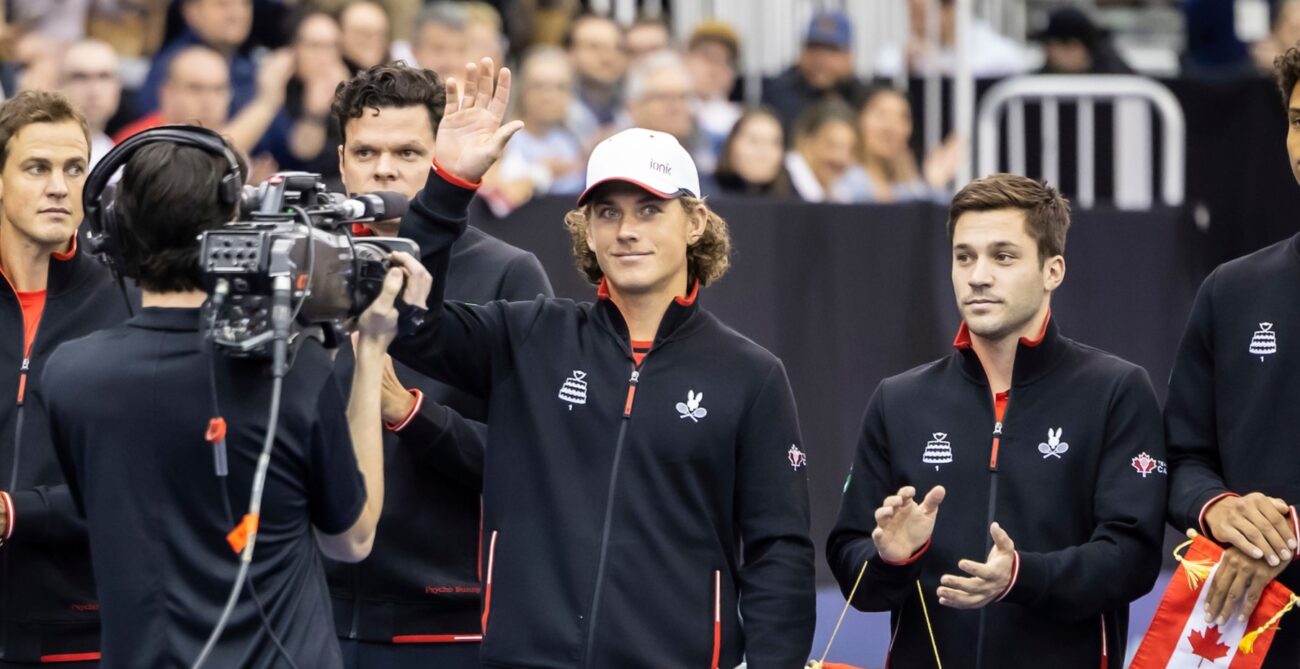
x=1105 y=654
x=356 y=601
x=18 y=423
x=717 y=618
x=609 y=515
x=487 y=585
x=993 y=501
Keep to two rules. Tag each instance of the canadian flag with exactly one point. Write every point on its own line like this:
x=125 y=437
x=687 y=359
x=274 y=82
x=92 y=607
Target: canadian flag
x=1179 y=637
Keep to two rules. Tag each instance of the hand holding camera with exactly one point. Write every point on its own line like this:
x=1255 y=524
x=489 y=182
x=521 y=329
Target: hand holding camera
x=378 y=324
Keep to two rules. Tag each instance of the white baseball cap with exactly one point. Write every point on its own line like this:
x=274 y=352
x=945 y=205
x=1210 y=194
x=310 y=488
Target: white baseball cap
x=650 y=159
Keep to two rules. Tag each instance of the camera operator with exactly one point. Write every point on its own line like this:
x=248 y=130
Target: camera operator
x=131 y=415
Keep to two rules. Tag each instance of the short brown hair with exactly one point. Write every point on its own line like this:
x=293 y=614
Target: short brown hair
x=1047 y=214
x=717 y=32
x=35 y=106
x=706 y=260
x=1287 y=67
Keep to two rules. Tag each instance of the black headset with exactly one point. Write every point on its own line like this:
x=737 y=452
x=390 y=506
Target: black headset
x=104 y=220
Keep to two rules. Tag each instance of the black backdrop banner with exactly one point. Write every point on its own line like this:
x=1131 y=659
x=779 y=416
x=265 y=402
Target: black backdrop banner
x=846 y=295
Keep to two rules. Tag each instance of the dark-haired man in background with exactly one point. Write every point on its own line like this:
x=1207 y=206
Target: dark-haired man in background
x=415 y=602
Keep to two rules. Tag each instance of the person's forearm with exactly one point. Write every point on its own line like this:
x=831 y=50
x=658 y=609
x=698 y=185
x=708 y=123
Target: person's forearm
x=364 y=424
x=307 y=139
x=245 y=130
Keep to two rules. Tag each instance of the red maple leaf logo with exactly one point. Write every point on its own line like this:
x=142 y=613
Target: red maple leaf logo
x=1206 y=646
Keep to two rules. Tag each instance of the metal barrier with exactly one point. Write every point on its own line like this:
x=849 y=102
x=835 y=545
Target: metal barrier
x=1133 y=138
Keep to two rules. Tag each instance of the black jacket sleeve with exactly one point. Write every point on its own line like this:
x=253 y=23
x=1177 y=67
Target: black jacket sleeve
x=1195 y=471
x=777 y=589
x=885 y=586
x=448 y=442
x=465 y=346
x=47 y=513
x=1121 y=561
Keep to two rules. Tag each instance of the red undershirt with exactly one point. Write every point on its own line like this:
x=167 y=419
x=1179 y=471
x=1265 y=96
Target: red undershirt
x=33 y=304
x=639 y=349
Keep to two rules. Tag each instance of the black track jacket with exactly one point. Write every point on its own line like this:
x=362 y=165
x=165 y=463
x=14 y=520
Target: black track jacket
x=421 y=582
x=1231 y=416
x=48 y=607
x=1078 y=482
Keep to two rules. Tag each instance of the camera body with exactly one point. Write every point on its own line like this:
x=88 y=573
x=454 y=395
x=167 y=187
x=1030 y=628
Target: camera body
x=294 y=248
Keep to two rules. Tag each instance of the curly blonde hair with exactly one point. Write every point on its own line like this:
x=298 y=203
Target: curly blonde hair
x=706 y=260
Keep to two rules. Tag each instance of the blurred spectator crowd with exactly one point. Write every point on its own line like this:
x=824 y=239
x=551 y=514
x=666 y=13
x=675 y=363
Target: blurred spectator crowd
x=264 y=73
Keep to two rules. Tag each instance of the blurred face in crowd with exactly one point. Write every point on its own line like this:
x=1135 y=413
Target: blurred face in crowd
x=712 y=70
x=364 y=28
x=665 y=104
x=221 y=24
x=482 y=39
x=36 y=56
x=1067 y=55
x=829 y=150
x=758 y=148
x=547 y=91
x=317 y=42
x=388 y=148
x=597 y=50
x=197 y=89
x=1293 y=132
x=1002 y=287
x=640 y=240
x=886 y=126
x=442 y=49
x=824 y=66
x=1286 y=28
x=646 y=38
x=919 y=12
x=90 y=81
x=40 y=184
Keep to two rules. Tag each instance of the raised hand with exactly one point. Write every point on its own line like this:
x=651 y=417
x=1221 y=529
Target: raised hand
x=273 y=75
x=470 y=137
x=902 y=525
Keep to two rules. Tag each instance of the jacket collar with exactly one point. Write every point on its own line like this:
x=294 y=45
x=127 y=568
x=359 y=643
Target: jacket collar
x=176 y=319
x=66 y=272
x=1034 y=357
x=678 y=320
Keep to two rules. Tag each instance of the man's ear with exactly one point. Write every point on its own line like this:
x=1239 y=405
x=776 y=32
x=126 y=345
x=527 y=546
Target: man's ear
x=697 y=222
x=1053 y=273
x=342 y=171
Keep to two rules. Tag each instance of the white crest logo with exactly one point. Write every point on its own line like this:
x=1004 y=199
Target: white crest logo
x=796 y=457
x=1264 y=342
x=691 y=407
x=1054 y=446
x=574 y=390
x=937 y=451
